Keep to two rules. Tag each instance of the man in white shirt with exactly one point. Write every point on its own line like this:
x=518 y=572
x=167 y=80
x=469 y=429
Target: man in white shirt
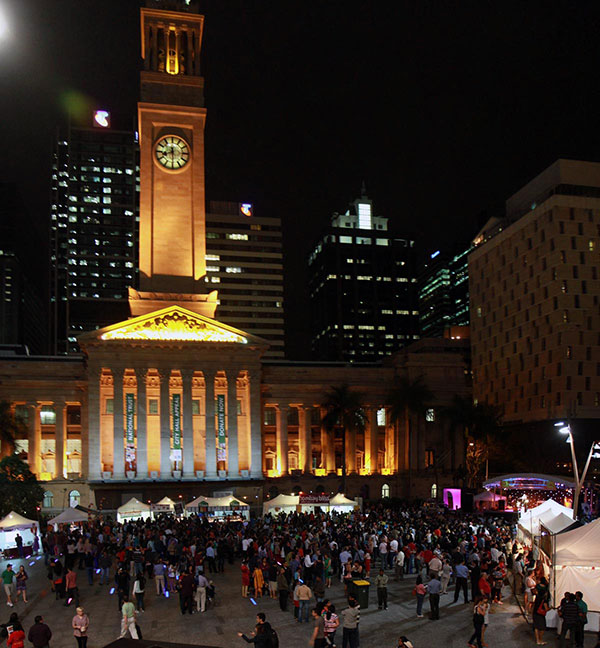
x=383 y=551
x=400 y=565
x=435 y=567
x=393 y=552
x=200 y=596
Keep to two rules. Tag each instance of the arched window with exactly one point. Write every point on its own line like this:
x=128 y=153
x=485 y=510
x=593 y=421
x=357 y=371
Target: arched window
x=385 y=491
x=48 y=501
x=433 y=491
x=74 y=498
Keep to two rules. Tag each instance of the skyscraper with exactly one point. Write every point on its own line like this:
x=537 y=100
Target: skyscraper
x=93 y=229
x=535 y=297
x=244 y=261
x=362 y=287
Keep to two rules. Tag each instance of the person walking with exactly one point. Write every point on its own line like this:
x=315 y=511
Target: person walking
x=258 y=581
x=80 y=624
x=71 y=585
x=304 y=595
x=419 y=591
x=332 y=623
x=283 y=589
x=318 y=636
x=39 y=634
x=570 y=614
x=139 y=587
x=446 y=574
x=21 y=578
x=105 y=563
x=350 y=620
x=381 y=582
x=260 y=638
x=8 y=576
x=479 y=612
x=128 y=619
x=434 y=587
x=159 y=577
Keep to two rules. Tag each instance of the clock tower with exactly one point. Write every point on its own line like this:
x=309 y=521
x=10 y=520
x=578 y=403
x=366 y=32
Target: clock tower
x=171 y=117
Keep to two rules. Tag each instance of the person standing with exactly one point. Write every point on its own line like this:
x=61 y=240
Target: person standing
x=200 y=596
x=434 y=587
x=19 y=541
x=245 y=579
x=332 y=623
x=39 y=634
x=159 y=577
x=570 y=615
x=71 y=585
x=399 y=566
x=318 y=636
x=446 y=574
x=8 y=576
x=381 y=582
x=139 y=586
x=80 y=624
x=105 y=563
x=283 y=588
x=479 y=613
x=187 y=583
x=351 y=619
x=419 y=591
x=16 y=639
x=128 y=619
x=304 y=595
x=462 y=576
x=21 y=578
x=583 y=610
x=539 y=609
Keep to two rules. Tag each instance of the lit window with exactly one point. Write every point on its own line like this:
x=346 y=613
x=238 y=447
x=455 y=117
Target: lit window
x=382 y=242
x=74 y=498
x=381 y=416
x=345 y=239
x=153 y=406
x=430 y=415
x=108 y=406
x=429 y=459
x=47 y=415
x=237 y=237
x=433 y=491
x=385 y=491
x=48 y=501
x=233 y=269
x=212 y=257
x=364 y=216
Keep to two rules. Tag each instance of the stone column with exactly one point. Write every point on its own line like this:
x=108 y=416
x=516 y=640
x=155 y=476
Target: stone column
x=188 y=56
x=154 y=61
x=305 y=435
x=350 y=451
x=141 y=452
x=282 y=438
x=118 y=429
x=187 y=424
x=34 y=437
x=85 y=450
x=94 y=457
x=255 y=425
x=210 y=469
x=233 y=461
x=59 y=436
x=165 y=424
x=371 y=442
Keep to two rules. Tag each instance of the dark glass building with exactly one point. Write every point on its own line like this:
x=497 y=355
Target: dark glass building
x=363 y=290
x=93 y=229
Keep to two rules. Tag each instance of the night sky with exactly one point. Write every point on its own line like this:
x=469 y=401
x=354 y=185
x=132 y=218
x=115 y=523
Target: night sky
x=443 y=108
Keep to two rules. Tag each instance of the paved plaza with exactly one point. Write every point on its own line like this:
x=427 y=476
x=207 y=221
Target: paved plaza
x=218 y=626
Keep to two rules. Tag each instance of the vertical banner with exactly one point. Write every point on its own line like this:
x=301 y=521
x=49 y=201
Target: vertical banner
x=130 y=431
x=176 y=413
x=221 y=438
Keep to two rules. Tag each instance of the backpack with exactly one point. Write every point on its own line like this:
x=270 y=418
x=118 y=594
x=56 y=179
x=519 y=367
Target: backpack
x=274 y=639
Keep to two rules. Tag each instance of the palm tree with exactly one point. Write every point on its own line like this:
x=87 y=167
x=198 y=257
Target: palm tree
x=480 y=423
x=345 y=410
x=408 y=397
x=10 y=428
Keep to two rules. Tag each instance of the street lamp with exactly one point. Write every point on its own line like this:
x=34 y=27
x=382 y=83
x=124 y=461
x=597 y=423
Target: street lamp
x=594 y=453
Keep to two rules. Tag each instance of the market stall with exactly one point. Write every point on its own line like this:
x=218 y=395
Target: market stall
x=165 y=505
x=12 y=524
x=219 y=507
x=342 y=504
x=530 y=520
x=134 y=509
x=69 y=516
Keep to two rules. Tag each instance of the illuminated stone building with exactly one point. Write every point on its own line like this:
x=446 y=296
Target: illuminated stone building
x=173 y=401
x=362 y=283
x=535 y=316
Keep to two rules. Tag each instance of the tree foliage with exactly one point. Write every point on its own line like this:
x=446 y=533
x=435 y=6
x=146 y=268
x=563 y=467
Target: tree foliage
x=10 y=428
x=408 y=397
x=21 y=491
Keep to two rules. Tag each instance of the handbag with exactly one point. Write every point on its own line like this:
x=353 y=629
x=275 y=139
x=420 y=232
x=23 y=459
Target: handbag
x=542 y=610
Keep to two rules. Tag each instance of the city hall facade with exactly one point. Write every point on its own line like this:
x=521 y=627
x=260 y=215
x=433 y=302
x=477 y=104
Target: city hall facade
x=173 y=402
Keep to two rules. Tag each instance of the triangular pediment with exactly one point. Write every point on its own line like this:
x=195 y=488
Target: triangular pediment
x=172 y=324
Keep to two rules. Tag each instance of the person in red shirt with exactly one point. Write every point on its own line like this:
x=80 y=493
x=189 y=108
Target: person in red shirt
x=484 y=586
x=16 y=639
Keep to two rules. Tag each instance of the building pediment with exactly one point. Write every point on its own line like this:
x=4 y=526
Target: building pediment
x=171 y=324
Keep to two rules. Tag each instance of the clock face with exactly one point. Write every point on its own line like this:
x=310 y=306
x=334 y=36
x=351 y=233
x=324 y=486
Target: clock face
x=172 y=152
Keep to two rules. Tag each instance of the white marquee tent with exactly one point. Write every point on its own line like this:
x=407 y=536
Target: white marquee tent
x=342 y=504
x=218 y=506
x=529 y=521
x=69 y=516
x=134 y=509
x=289 y=503
x=576 y=567
x=14 y=523
x=281 y=504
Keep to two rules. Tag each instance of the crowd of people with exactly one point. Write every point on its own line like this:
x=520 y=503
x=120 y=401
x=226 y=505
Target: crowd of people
x=294 y=559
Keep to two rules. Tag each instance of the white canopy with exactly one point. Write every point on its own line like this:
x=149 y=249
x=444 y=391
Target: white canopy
x=13 y=522
x=166 y=501
x=576 y=565
x=555 y=523
x=195 y=503
x=133 y=509
x=281 y=504
x=530 y=520
x=219 y=506
x=69 y=516
x=340 y=502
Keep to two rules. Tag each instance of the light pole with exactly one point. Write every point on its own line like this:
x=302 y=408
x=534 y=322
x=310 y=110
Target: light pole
x=594 y=453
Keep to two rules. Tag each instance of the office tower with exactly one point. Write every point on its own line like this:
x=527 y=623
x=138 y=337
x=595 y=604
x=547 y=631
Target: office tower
x=22 y=264
x=362 y=285
x=244 y=262
x=444 y=293
x=93 y=229
x=534 y=291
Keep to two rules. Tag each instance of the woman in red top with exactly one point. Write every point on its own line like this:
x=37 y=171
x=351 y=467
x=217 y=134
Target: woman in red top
x=484 y=586
x=16 y=639
x=245 y=580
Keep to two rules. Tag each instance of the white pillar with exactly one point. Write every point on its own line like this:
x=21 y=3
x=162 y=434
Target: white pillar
x=210 y=470
x=165 y=425
x=118 y=432
x=305 y=434
x=141 y=454
x=33 y=435
x=233 y=463
x=59 y=447
x=255 y=425
x=372 y=443
x=187 y=424
x=92 y=423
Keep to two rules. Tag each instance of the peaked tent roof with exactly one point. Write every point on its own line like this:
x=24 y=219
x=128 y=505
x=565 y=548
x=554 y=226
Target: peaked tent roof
x=166 y=501
x=579 y=547
x=171 y=324
x=134 y=504
x=340 y=499
x=556 y=523
x=68 y=516
x=15 y=521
